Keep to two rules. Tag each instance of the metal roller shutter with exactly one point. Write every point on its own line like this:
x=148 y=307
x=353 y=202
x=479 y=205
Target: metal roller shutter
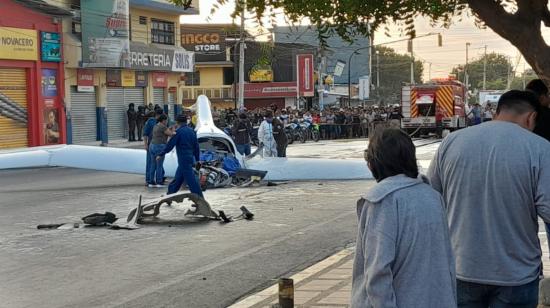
x=13 y=108
x=83 y=115
x=117 y=104
x=171 y=103
x=158 y=96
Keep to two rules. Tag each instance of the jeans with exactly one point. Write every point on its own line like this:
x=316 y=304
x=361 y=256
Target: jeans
x=185 y=174
x=244 y=149
x=156 y=169
x=148 y=176
x=473 y=295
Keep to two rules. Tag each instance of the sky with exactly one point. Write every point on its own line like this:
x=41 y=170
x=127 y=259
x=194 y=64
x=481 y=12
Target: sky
x=442 y=59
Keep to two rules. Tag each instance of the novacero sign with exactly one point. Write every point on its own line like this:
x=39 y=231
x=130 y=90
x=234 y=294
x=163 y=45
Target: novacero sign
x=18 y=44
x=147 y=58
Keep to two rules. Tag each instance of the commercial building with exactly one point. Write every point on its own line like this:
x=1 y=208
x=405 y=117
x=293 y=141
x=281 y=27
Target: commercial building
x=214 y=74
x=121 y=52
x=31 y=74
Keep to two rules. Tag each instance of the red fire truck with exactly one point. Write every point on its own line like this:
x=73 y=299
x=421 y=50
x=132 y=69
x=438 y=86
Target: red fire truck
x=438 y=104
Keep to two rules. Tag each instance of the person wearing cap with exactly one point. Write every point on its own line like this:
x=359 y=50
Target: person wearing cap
x=265 y=136
x=494 y=180
x=187 y=149
x=147 y=137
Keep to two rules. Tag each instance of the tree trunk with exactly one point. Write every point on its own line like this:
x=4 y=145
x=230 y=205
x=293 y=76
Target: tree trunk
x=522 y=29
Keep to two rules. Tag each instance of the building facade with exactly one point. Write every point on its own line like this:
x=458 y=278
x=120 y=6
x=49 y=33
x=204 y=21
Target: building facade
x=214 y=74
x=31 y=74
x=121 y=52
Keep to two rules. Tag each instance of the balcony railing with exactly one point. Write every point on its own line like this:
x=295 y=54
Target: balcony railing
x=223 y=92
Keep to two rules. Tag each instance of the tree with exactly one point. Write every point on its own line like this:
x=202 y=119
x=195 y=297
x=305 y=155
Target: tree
x=394 y=71
x=518 y=21
x=498 y=68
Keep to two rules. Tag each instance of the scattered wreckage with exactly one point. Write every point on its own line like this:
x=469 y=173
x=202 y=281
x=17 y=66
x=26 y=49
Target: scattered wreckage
x=199 y=209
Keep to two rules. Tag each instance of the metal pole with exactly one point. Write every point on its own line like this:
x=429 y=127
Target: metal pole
x=241 y=60
x=485 y=67
x=412 y=63
x=321 y=90
x=377 y=70
x=466 y=81
x=430 y=72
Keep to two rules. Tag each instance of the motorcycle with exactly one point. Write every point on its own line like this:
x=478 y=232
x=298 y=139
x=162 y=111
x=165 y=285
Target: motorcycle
x=295 y=132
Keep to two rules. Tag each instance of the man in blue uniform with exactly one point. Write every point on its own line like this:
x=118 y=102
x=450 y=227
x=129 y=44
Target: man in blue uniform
x=187 y=148
x=147 y=137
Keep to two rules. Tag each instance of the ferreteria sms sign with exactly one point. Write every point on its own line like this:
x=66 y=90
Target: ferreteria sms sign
x=18 y=44
x=149 y=58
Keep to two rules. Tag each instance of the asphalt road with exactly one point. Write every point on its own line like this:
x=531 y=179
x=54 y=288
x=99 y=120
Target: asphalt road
x=170 y=262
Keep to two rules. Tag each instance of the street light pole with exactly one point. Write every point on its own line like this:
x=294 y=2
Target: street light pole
x=355 y=52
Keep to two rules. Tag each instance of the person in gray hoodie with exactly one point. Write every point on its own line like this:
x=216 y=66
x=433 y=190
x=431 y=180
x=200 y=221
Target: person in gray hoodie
x=403 y=254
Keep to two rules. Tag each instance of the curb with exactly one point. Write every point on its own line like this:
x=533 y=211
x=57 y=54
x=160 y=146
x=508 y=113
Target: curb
x=303 y=275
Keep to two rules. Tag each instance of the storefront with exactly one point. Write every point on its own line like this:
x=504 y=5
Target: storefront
x=83 y=108
x=124 y=87
x=31 y=68
x=262 y=95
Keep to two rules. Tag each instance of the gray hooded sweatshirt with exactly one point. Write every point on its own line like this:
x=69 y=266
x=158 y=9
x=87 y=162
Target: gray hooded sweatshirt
x=403 y=256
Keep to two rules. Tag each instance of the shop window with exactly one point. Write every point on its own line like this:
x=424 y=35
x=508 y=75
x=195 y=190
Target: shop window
x=162 y=32
x=193 y=79
x=228 y=76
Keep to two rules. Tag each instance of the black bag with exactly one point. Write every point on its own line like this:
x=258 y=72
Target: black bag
x=97 y=219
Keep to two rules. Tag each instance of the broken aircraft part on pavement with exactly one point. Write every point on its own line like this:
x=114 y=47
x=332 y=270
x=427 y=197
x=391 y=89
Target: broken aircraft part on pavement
x=199 y=208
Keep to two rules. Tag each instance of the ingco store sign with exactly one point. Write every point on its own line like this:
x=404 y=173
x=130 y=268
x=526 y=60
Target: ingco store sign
x=18 y=44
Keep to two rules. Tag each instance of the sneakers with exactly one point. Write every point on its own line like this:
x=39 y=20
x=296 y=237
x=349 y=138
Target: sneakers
x=151 y=185
x=160 y=186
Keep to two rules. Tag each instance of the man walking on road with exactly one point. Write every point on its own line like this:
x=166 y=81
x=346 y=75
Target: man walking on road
x=241 y=130
x=495 y=179
x=187 y=148
x=147 y=137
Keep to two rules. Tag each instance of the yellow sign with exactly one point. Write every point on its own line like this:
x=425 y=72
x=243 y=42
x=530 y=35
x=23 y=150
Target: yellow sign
x=18 y=44
x=128 y=78
x=261 y=75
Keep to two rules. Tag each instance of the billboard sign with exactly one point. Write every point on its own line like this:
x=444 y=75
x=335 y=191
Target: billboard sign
x=364 y=87
x=270 y=89
x=51 y=46
x=149 y=58
x=305 y=75
x=18 y=44
x=207 y=42
x=105 y=33
x=84 y=80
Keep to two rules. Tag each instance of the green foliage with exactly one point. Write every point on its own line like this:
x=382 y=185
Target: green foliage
x=498 y=66
x=394 y=71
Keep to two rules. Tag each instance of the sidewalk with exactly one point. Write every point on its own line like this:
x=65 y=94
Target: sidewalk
x=328 y=283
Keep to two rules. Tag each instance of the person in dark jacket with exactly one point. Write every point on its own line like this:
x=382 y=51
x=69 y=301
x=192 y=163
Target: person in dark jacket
x=241 y=130
x=141 y=117
x=132 y=119
x=280 y=137
x=540 y=89
x=187 y=148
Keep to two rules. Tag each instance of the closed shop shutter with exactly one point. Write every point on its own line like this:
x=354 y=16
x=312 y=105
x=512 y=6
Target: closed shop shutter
x=117 y=104
x=171 y=103
x=83 y=116
x=13 y=108
x=158 y=96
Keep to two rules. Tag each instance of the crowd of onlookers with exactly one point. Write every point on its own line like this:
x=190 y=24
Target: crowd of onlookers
x=333 y=123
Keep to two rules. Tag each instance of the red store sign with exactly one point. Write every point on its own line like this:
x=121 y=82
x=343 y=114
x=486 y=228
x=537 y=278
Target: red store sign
x=160 y=80
x=85 y=80
x=305 y=74
x=270 y=89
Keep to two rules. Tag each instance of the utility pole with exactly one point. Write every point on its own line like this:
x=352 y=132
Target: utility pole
x=321 y=90
x=466 y=74
x=241 y=59
x=430 y=71
x=485 y=67
x=377 y=70
x=412 y=60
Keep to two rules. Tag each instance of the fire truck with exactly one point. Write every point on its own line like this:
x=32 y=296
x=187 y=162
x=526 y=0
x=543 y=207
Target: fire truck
x=433 y=106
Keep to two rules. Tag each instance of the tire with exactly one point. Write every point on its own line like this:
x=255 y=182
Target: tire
x=290 y=138
x=302 y=137
x=316 y=136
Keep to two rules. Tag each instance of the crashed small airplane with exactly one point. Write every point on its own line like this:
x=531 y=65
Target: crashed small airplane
x=210 y=138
